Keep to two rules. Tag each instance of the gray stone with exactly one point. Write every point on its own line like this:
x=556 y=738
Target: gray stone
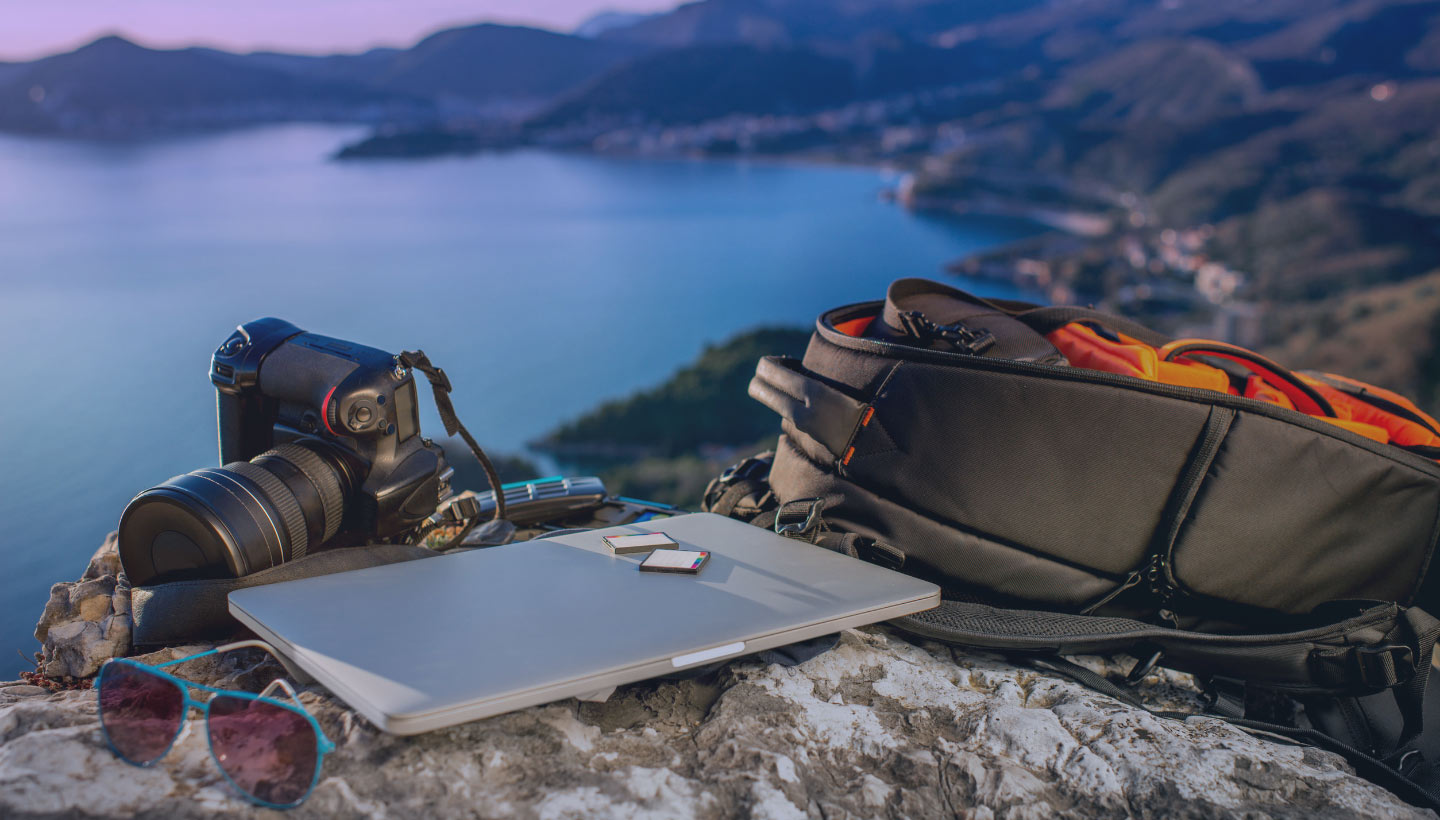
x=877 y=727
x=86 y=622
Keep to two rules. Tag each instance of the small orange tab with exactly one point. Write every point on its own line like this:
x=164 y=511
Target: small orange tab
x=869 y=411
x=848 y=453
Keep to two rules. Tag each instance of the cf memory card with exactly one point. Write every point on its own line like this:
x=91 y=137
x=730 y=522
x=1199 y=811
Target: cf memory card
x=644 y=542
x=687 y=562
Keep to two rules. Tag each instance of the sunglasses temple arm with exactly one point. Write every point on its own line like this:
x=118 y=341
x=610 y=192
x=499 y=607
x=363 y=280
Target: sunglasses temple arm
x=291 y=669
x=284 y=685
x=225 y=648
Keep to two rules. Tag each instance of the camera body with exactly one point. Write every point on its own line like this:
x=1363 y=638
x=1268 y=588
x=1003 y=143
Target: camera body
x=320 y=446
x=275 y=383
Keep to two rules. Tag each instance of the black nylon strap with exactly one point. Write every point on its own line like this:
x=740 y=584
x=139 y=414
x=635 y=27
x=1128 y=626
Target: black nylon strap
x=1410 y=696
x=1045 y=319
x=1083 y=676
x=440 y=385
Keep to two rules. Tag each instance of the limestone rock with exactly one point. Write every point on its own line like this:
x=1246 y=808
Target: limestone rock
x=877 y=727
x=86 y=622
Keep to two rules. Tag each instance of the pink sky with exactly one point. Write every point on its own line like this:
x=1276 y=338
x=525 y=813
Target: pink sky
x=34 y=28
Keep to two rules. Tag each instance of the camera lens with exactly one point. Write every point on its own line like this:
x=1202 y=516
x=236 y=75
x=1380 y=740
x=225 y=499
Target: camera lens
x=234 y=520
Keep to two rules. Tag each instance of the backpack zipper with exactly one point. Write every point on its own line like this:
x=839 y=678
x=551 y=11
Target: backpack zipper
x=1163 y=588
x=1086 y=375
x=1158 y=570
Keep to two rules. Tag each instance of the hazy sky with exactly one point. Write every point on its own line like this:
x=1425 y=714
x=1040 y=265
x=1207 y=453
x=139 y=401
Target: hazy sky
x=32 y=28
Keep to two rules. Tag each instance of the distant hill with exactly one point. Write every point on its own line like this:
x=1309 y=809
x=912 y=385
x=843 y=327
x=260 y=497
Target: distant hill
x=1163 y=80
x=687 y=85
x=601 y=22
x=113 y=86
x=703 y=403
x=667 y=442
x=489 y=62
x=807 y=22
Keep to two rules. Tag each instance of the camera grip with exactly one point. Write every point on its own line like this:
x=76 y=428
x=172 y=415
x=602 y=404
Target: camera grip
x=246 y=430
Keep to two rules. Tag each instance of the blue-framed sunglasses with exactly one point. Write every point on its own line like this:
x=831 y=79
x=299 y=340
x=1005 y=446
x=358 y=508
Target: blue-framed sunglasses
x=270 y=750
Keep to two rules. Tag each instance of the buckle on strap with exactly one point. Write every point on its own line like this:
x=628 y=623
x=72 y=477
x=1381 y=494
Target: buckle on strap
x=1371 y=667
x=1385 y=666
x=795 y=519
x=964 y=339
x=884 y=555
x=746 y=469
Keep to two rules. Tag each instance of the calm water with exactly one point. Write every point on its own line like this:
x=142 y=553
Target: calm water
x=543 y=284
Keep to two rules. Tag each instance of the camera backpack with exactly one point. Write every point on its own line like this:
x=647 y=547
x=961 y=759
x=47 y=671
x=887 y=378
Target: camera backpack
x=1078 y=483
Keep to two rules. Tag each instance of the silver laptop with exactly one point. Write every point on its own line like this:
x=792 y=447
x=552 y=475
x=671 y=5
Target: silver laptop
x=431 y=643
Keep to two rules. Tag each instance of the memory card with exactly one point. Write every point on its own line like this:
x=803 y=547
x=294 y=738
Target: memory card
x=687 y=562
x=644 y=542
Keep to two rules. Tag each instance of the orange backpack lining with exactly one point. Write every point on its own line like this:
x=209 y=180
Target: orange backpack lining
x=1083 y=347
x=855 y=327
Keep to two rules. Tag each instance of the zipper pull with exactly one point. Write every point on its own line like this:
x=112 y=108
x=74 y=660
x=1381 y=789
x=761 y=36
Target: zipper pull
x=1131 y=580
x=1163 y=591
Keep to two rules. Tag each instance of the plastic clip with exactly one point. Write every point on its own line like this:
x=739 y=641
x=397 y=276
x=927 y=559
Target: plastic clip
x=973 y=341
x=792 y=528
x=1144 y=667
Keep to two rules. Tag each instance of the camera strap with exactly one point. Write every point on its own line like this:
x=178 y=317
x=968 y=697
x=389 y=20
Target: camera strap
x=440 y=385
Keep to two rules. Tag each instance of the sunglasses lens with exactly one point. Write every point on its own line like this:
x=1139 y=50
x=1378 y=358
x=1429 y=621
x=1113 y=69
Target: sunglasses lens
x=270 y=752
x=141 y=712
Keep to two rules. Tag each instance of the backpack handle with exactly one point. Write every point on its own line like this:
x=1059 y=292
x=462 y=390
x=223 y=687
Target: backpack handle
x=1303 y=396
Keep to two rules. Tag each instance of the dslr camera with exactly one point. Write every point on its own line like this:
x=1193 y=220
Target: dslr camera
x=321 y=447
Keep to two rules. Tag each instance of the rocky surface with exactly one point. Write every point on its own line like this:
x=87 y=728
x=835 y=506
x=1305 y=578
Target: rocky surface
x=876 y=727
x=86 y=622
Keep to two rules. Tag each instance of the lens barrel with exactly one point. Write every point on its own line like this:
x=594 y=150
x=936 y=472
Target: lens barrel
x=231 y=521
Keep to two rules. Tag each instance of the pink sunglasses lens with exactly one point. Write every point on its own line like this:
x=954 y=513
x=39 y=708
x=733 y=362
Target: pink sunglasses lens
x=268 y=751
x=141 y=712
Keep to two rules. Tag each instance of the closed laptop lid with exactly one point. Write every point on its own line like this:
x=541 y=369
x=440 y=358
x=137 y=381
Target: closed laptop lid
x=442 y=634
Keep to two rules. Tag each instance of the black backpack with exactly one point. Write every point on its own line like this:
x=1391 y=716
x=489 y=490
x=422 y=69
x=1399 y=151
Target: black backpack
x=1283 y=560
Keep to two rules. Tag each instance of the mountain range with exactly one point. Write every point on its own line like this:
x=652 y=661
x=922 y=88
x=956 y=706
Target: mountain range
x=1266 y=171
x=1154 y=60
x=753 y=56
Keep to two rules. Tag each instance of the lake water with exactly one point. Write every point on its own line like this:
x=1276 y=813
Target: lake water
x=543 y=283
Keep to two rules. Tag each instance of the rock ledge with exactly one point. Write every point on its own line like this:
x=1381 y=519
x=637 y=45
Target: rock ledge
x=877 y=727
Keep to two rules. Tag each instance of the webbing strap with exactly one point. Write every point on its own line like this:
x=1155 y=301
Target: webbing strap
x=440 y=386
x=1410 y=695
x=1048 y=318
x=1335 y=657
